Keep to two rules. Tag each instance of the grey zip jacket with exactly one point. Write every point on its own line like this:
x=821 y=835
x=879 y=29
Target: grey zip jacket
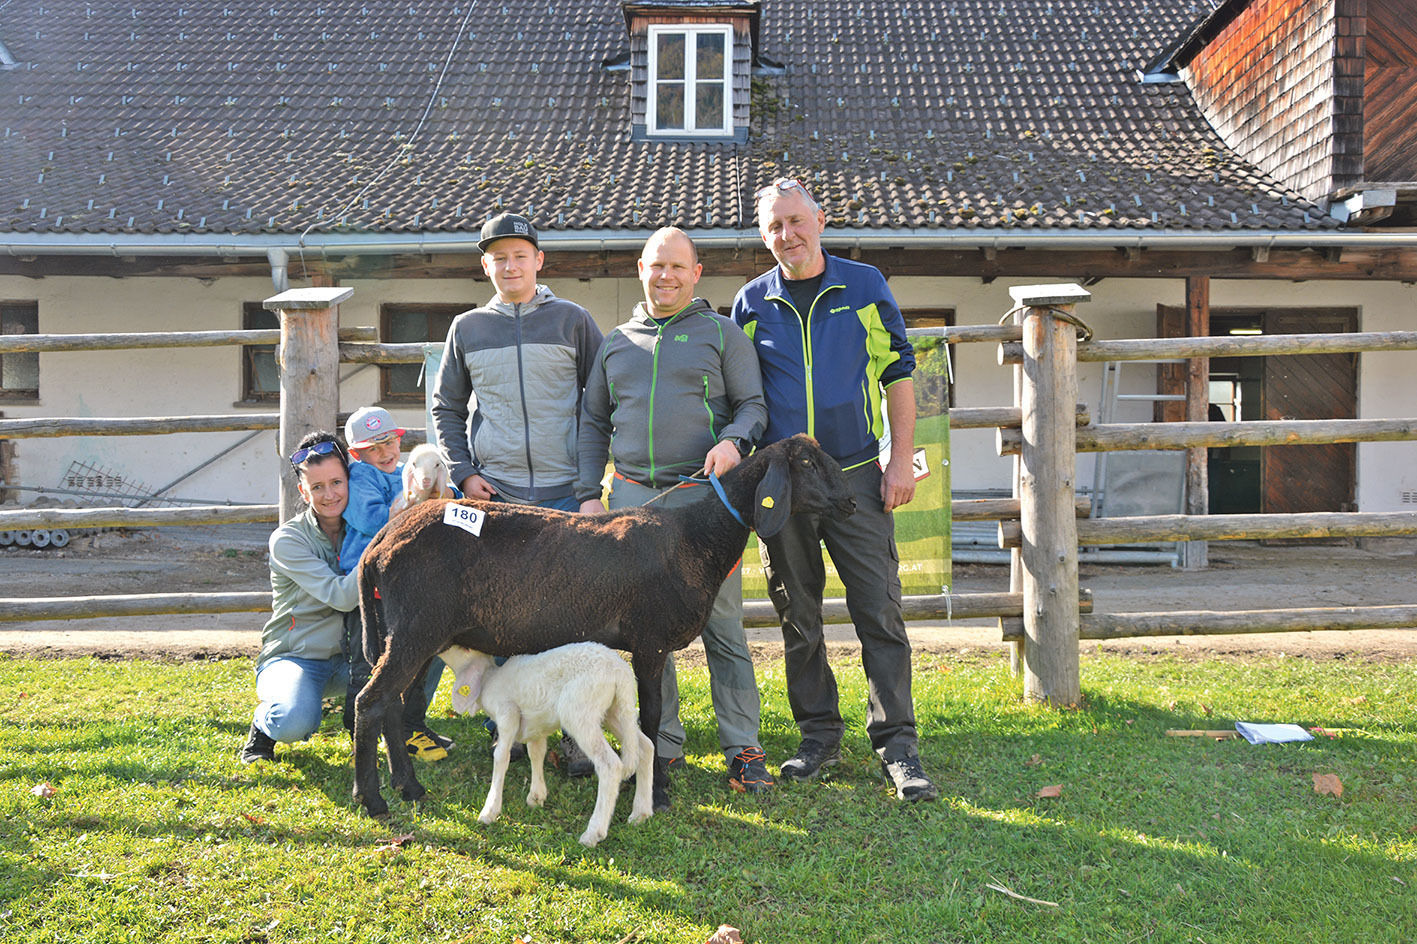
x=659 y=398
x=526 y=365
x=309 y=596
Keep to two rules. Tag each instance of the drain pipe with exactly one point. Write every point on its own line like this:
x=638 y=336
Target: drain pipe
x=280 y=269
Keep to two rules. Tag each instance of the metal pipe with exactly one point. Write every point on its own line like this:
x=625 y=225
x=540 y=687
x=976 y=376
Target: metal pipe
x=223 y=244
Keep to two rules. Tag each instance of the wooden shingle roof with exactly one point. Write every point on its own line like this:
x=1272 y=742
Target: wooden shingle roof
x=413 y=116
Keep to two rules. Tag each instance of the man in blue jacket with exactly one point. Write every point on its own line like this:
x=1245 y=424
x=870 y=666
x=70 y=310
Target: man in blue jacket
x=830 y=340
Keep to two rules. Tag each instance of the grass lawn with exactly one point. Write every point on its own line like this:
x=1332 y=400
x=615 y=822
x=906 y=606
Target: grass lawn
x=156 y=833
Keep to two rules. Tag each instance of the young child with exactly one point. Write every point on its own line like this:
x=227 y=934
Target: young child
x=375 y=480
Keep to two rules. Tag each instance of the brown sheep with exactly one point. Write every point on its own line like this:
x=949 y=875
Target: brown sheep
x=506 y=579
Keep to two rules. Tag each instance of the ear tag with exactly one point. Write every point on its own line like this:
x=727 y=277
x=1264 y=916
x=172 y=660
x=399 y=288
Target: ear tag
x=465 y=690
x=767 y=501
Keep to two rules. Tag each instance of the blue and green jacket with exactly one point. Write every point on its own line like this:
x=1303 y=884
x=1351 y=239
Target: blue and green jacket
x=660 y=396
x=825 y=370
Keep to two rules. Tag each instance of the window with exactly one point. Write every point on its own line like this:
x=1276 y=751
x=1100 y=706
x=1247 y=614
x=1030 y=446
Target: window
x=411 y=324
x=933 y=391
x=260 y=377
x=19 y=372
x=690 y=80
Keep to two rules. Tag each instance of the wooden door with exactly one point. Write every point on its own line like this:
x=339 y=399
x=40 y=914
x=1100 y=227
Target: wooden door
x=1309 y=387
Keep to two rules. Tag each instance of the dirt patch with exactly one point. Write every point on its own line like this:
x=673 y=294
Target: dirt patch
x=1241 y=576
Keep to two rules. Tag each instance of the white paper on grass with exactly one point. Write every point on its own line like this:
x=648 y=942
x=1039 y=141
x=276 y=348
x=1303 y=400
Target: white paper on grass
x=1257 y=733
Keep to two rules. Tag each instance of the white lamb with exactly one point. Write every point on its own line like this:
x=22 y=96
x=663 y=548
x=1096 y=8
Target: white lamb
x=425 y=476
x=580 y=689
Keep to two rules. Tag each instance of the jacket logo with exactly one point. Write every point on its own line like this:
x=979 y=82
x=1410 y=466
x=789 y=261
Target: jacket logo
x=841 y=308
x=681 y=337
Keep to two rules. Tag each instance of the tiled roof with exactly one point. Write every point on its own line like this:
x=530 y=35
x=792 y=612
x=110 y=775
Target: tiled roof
x=406 y=116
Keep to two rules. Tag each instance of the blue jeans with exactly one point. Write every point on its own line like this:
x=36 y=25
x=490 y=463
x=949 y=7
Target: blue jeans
x=291 y=690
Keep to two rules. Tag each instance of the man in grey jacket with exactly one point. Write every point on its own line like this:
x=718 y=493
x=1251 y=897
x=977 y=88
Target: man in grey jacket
x=524 y=356
x=508 y=394
x=672 y=392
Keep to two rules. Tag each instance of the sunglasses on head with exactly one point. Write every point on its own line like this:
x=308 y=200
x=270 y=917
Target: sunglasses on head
x=318 y=449
x=782 y=185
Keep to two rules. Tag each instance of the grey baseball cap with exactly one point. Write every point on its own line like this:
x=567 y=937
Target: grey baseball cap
x=507 y=224
x=369 y=424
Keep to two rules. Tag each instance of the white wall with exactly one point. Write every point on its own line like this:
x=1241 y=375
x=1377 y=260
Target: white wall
x=207 y=380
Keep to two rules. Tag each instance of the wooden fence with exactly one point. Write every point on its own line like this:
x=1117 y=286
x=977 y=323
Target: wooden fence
x=1044 y=614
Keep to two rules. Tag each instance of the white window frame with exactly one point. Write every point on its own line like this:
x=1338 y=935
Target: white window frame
x=694 y=124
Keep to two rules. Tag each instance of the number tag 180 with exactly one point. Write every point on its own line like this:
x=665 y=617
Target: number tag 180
x=461 y=516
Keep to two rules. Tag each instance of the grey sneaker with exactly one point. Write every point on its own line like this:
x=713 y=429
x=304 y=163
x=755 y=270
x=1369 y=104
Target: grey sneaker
x=812 y=755
x=908 y=778
x=577 y=763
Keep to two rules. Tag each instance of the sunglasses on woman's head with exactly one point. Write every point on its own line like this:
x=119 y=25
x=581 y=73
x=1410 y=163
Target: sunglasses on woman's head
x=318 y=449
x=782 y=185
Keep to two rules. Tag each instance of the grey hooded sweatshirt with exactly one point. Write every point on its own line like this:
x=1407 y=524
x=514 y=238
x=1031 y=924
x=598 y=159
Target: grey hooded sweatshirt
x=526 y=365
x=659 y=397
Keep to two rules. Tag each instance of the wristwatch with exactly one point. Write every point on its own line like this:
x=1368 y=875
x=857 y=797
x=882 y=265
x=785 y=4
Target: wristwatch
x=744 y=446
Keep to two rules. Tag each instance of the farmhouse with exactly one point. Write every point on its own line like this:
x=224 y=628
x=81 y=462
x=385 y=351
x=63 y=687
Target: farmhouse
x=166 y=166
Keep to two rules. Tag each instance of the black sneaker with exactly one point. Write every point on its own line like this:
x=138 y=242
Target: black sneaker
x=747 y=772
x=442 y=740
x=908 y=777
x=518 y=748
x=259 y=746
x=812 y=755
x=577 y=763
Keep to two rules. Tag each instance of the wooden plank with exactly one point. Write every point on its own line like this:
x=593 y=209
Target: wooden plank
x=1214 y=623
x=1132 y=436
x=50 y=426
x=51 y=343
x=1151 y=529
x=135 y=604
x=1001 y=509
x=931 y=607
x=76 y=518
x=1247 y=346
x=406 y=353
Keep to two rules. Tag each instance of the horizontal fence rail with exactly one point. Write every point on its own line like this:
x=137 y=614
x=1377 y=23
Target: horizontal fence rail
x=755 y=612
x=76 y=518
x=1123 y=437
x=1238 y=622
x=53 y=343
x=1152 y=529
x=1259 y=345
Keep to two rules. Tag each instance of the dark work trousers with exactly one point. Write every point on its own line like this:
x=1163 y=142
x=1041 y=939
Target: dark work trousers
x=863 y=549
x=415 y=700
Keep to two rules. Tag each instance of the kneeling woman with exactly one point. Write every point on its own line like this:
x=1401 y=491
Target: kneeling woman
x=301 y=660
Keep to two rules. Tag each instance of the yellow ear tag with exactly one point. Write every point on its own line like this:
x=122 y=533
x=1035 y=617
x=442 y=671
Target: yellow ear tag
x=767 y=501
x=465 y=690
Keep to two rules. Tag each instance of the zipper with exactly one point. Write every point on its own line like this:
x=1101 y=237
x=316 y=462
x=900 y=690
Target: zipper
x=807 y=350
x=709 y=410
x=653 y=380
x=521 y=385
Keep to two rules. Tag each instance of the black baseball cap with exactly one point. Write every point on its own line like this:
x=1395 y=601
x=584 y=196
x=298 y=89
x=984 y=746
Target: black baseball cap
x=507 y=224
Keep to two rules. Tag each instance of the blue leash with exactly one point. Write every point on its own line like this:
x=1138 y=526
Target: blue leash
x=718 y=487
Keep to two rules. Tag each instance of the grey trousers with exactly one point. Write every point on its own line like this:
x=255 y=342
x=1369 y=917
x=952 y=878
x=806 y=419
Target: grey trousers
x=863 y=549
x=732 y=682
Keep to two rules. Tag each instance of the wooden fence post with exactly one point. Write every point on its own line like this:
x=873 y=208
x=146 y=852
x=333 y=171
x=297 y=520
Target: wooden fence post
x=1047 y=469
x=1195 y=555
x=308 y=358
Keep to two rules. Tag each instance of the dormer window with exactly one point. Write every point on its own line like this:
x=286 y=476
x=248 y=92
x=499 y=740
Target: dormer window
x=690 y=81
x=691 y=65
